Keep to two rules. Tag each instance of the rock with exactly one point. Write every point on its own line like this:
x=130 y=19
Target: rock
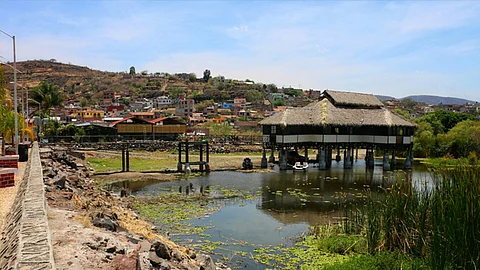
x=161 y=249
x=93 y=246
x=60 y=183
x=49 y=173
x=143 y=262
x=191 y=254
x=205 y=262
x=165 y=266
x=124 y=262
x=107 y=214
x=111 y=249
x=144 y=246
x=178 y=256
x=154 y=259
x=105 y=223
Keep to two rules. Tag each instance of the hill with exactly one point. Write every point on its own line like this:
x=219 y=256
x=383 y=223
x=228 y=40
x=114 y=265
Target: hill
x=79 y=82
x=429 y=99
x=437 y=100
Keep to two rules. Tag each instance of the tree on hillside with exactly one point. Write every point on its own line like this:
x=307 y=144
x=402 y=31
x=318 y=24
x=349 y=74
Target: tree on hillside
x=48 y=95
x=132 y=71
x=206 y=75
x=219 y=129
x=254 y=96
x=408 y=103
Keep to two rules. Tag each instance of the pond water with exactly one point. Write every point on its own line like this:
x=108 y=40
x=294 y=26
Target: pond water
x=284 y=205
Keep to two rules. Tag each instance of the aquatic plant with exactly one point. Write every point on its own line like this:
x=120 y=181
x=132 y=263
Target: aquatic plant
x=439 y=225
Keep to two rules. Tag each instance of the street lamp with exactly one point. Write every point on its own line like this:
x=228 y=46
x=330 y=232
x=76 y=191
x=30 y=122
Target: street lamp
x=15 y=141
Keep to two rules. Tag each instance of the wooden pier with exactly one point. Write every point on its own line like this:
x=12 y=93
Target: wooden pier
x=185 y=148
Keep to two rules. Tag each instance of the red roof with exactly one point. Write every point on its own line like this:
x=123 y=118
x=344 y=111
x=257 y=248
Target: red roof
x=156 y=120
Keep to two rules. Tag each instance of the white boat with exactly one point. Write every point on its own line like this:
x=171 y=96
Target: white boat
x=300 y=166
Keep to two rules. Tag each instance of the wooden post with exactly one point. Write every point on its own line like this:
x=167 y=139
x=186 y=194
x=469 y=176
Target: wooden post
x=207 y=167
x=187 y=162
x=123 y=158
x=179 y=165
x=201 y=157
x=127 y=156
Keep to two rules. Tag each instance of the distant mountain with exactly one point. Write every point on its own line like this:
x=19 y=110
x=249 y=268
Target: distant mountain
x=383 y=98
x=437 y=100
x=430 y=99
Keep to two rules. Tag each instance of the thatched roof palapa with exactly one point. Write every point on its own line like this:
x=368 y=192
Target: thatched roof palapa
x=350 y=99
x=340 y=109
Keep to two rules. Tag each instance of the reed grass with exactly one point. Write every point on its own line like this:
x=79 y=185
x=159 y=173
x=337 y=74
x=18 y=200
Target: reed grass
x=441 y=225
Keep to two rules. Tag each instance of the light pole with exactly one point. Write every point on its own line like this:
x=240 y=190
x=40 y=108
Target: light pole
x=15 y=141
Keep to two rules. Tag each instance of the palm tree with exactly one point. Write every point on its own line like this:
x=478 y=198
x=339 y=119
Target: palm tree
x=7 y=124
x=7 y=116
x=48 y=95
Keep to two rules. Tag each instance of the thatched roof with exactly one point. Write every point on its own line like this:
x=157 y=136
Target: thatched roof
x=350 y=99
x=325 y=113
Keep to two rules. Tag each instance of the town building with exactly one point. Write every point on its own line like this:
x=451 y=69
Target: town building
x=185 y=108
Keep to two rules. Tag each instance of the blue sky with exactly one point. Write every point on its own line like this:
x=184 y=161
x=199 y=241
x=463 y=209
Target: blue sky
x=380 y=47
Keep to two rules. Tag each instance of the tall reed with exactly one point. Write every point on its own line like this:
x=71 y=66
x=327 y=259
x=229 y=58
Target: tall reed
x=455 y=218
x=397 y=220
x=441 y=224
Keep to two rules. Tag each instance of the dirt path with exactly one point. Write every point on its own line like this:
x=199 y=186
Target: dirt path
x=7 y=195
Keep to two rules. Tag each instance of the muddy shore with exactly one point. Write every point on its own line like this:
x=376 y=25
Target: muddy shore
x=93 y=228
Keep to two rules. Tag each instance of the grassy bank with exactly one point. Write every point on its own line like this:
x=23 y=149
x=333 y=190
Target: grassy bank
x=141 y=161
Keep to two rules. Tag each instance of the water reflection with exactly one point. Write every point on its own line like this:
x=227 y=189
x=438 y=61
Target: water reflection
x=313 y=196
x=287 y=202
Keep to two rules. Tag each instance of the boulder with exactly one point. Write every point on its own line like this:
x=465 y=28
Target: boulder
x=144 y=246
x=143 y=261
x=205 y=262
x=191 y=253
x=165 y=266
x=105 y=223
x=178 y=256
x=161 y=249
x=60 y=182
x=111 y=249
x=155 y=260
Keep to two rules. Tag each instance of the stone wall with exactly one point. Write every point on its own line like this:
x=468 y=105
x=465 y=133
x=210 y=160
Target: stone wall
x=26 y=241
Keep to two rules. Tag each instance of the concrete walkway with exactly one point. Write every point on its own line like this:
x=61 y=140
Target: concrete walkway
x=26 y=241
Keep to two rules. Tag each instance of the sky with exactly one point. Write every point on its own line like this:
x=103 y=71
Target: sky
x=380 y=47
